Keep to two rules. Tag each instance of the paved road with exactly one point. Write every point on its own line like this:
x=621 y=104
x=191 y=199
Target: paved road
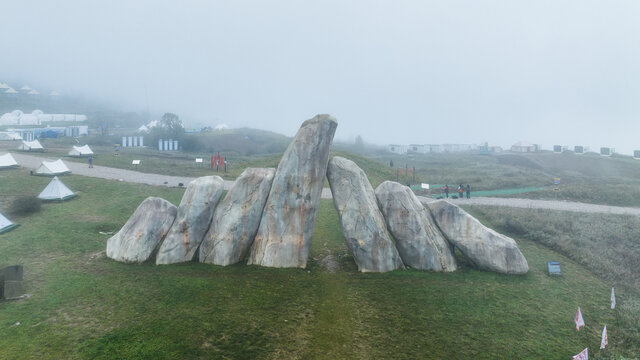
x=33 y=162
x=542 y=204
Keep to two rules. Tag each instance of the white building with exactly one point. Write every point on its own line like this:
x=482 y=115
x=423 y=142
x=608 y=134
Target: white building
x=523 y=147
x=398 y=149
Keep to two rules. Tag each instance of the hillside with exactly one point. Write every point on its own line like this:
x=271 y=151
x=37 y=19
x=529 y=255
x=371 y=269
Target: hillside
x=85 y=305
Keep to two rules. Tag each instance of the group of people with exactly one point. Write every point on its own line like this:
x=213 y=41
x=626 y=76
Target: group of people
x=461 y=190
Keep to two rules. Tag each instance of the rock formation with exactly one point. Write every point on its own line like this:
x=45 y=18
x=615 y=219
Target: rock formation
x=236 y=218
x=142 y=233
x=289 y=218
x=419 y=241
x=362 y=223
x=483 y=247
x=192 y=222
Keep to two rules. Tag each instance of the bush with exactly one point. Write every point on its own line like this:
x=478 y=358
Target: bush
x=25 y=205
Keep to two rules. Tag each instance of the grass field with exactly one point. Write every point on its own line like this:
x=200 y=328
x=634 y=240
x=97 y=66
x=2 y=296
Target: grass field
x=86 y=306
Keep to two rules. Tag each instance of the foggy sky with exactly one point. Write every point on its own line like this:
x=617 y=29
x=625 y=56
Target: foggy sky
x=547 y=72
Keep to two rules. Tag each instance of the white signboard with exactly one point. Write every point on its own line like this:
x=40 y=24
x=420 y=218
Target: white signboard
x=425 y=186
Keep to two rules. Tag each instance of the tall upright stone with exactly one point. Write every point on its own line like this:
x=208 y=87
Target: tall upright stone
x=483 y=247
x=236 y=218
x=192 y=222
x=289 y=218
x=360 y=219
x=141 y=234
x=419 y=241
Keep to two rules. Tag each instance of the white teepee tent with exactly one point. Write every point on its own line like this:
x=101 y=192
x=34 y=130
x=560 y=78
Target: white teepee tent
x=52 y=168
x=56 y=190
x=6 y=224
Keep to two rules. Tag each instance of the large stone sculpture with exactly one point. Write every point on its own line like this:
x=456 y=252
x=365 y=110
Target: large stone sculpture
x=483 y=247
x=418 y=239
x=192 y=222
x=362 y=223
x=286 y=228
x=142 y=233
x=236 y=218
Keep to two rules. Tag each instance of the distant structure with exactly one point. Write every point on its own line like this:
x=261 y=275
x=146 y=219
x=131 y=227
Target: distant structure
x=7 y=90
x=636 y=154
x=37 y=117
x=524 y=147
x=607 y=151
x=579 y=149
x=168 y=145
x=430 y=148
x=132 y=141
x=398 y=149
x=490 y=148
x=558 y=149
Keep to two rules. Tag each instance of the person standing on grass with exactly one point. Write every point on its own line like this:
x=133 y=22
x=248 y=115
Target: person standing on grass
x=468 y=191
x=90 y=161
x=461 y=192
x=446 y=191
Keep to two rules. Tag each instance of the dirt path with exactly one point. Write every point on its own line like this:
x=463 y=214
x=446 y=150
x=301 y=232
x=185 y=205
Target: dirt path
x=33 y=162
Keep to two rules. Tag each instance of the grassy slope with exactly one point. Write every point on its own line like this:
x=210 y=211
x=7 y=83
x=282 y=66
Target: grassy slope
x=87 y=306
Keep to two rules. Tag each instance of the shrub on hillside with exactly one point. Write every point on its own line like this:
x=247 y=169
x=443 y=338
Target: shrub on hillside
x=24 y=205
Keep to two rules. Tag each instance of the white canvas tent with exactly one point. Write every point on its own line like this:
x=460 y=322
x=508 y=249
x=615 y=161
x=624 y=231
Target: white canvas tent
x=81 y=151
x=6 y=224
x=7 y=161
x=31 y=146
x=52 y=168
x=56 y=190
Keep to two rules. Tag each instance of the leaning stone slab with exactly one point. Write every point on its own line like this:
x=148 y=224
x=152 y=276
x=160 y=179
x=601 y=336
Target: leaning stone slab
x=419 y=241
x=142 y=233
x=286 y=228
x=483 y=247
x=236 y=218
x=192 y=222
x=360 y=219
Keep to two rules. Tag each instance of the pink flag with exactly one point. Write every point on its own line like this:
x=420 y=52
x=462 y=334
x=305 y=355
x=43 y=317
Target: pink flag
x=584 y=355
x=604 y=340
x=578 y=319
x=613 y=299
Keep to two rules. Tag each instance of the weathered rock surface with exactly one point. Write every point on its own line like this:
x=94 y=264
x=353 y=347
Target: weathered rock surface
x=289 y=218
x=142 y=233
x=362 y=223
x=419 y=241
x=236 y=219
x=485 y=248
x=192 y=222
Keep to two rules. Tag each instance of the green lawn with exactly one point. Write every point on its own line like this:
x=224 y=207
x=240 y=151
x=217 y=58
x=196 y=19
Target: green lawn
x=86 y=306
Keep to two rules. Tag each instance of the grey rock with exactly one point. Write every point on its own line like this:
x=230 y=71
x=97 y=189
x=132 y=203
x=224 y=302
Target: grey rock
x=141 y=234
x=192 y=222
x=289 y=219
x=362 y=223
x=483 y=247
x=419 y=241
x=236 y=218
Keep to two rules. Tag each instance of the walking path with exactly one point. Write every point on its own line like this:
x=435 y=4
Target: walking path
x=33 y=162
x=542 y=204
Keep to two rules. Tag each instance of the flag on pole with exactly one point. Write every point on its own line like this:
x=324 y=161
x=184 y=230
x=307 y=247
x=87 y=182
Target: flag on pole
x=613 y=299
x=578 y=319
x=604 y=340
x=584 y=355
